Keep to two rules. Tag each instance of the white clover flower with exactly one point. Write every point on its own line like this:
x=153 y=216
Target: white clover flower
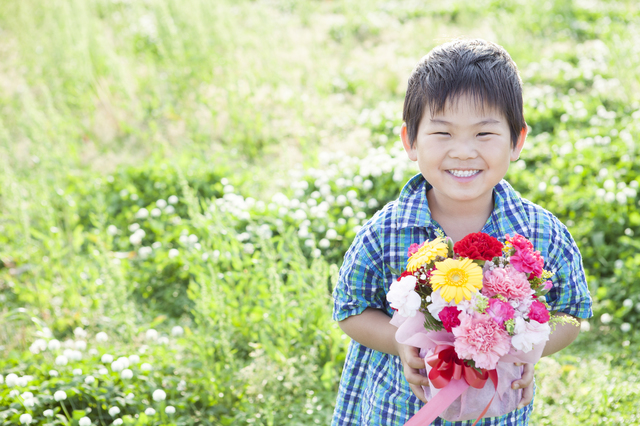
x=324 y=243
x=84 y=421
x=38 y=346
x=114 y=411
x=117 y=422
x=26 y=419
x=89 y=380
x=28 y=402
x=117 y=366
x=159 y=395
x=80 y=333
x=130 y=396
x=156 y=212
x=173 y=199
x=143 y=213
x=81 y=345
x=606 y=318
x=170 y=210
x=173 y=253
x=53 y=373
x=106 y=358
x=150 y=411
x=77 y=372
x=151 y=334
x=54 y=345
x=14 y=393
x=146 y=367
x=103 y=371
x=126 y=374
x=164 y=340
x=75 y=355
x=134 y=359
x=332 y=234
x=625 y=327
x=61 y=360
x=161 y=204
x=112 y=230
x=124 y=360
x=47 y=413
x=177 y=331
x=23 y=381
x=182 y=385
x=170 y=409
x=60 y=395
x=402 y=296
x=11 y=380
x=316 y=253
x=192 y=239
x=102 y=337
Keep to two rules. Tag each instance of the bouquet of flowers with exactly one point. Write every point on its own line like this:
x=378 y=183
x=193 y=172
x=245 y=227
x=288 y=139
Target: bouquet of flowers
x=474 y=309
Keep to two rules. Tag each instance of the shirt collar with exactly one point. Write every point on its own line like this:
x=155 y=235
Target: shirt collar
x=508 y=215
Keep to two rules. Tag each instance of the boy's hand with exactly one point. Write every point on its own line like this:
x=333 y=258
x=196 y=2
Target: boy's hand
x=411 y=361
x=525 y=383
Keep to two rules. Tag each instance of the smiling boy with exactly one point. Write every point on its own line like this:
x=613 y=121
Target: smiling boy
x=463 y=124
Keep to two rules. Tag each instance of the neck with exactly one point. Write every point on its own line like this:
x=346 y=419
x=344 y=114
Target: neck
x=460 y=218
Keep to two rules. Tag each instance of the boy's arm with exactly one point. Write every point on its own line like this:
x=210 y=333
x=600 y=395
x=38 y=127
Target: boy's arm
x=372 y=329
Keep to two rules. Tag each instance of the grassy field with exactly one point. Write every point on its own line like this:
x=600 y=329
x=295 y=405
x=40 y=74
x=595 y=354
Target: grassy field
x=180 y=180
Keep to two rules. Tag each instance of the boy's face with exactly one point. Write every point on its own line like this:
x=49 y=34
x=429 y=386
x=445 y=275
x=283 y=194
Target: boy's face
x=463 y=152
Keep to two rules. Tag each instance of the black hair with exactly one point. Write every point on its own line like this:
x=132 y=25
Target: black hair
x=477 y=68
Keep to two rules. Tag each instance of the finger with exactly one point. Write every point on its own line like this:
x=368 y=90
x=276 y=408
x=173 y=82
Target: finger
x=526 y=379
x=419 y=392
x=415 y=378
x=415 y=362
x=527 y=396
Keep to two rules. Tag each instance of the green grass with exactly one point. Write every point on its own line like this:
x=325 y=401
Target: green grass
x=259 y=116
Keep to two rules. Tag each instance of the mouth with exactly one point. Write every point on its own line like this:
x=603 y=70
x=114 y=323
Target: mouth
x=463 y=173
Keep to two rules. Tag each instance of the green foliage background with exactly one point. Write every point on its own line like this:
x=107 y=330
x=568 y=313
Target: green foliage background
x=273 y=124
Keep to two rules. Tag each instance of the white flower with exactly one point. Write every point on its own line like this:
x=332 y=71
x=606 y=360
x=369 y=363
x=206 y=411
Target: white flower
x=38 y=346
x=402 y=296
x=144 y=252
x=61 y=360
x=14 y=393
x=77 y=372
x=146 y=367
x=117 y=366
x=164 y=340
x=585 y=326
x=437 y=304
x=606 y=318
x=529 y=334
x=112 y=230
x=11 y=380
x=53 y=345
x=150 y=411
x=102 y=337
x=114 y=411
x=159 y=395
x=53 y=373
x=26 y=419
x=177 y=331
x=27 y=395
x=60 y=395
x=47 y=413
x=106 y=358
x=151 y=334
x=117 y=422
x=324 y=243
x=126 y=374
x=142 y=213
x=170 y=409
x=80 y=333
x=84 y=421
x=89 y=379
x=173 y=199
x=332 y=234
x=161 y=204
x=81 y=345
x=173 y=253
x=130 y=396
x=124 y=361
x=625 y=327
x=170 y=210
x=103 y=371
x=1 y=379
x=75 y=355
x=156 y=212
x=134 y=359
x=182 y=385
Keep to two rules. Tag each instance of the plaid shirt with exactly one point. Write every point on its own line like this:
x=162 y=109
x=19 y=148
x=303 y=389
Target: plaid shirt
x=373 y=389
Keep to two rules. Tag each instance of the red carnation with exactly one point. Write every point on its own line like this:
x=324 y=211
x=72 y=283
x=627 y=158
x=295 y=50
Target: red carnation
x=478 y=246
x=449 y=317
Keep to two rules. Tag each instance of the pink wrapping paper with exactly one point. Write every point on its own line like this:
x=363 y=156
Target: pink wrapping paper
x=473 y=401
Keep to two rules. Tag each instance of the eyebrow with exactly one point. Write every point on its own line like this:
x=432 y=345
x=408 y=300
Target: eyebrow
x=479 y=123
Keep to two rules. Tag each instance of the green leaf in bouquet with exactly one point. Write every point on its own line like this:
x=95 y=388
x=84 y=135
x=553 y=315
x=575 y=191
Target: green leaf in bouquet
x=394 y=271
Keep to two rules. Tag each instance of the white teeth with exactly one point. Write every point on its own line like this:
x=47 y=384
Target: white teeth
x=463 y=173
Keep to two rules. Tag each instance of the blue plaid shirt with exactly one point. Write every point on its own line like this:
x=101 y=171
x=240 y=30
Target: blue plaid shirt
x=373 y=389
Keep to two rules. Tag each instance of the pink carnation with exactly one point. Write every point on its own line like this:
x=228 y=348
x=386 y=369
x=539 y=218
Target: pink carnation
x=481 y=339
x=520 y=242
x=413 y=248
x=529 y=262
x=538 y=312
x=450 y=317
x=500 y=311
x=507 y=282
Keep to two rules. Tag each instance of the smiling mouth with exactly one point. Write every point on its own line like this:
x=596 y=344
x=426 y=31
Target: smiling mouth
x=463 y=173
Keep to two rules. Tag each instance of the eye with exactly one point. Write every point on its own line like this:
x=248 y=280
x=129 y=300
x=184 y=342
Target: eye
x=441 y=133
x=485 y=134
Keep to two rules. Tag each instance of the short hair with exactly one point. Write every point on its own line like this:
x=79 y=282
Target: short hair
x=477 y=68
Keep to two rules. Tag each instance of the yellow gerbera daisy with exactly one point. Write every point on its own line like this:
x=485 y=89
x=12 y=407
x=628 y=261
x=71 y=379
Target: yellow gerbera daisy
x=427 y=253
x=458 y=278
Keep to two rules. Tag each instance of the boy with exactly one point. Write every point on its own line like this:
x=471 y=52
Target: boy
x=463 y=124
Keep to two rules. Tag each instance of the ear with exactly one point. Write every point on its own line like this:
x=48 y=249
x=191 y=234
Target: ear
x=515 y=152
x=411 y=151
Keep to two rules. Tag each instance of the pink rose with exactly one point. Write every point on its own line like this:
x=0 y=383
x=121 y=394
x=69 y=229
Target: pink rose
x=449 y=317
x=529 y=262
x=481 y=339
x=538 y=312
x=507 y=282
x=500 y=311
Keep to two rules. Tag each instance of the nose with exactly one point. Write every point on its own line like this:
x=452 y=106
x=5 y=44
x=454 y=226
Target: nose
x=463 y=149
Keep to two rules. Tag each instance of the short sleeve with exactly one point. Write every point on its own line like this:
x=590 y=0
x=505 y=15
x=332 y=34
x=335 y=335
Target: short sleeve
x=570 y=293
x=360 y=281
